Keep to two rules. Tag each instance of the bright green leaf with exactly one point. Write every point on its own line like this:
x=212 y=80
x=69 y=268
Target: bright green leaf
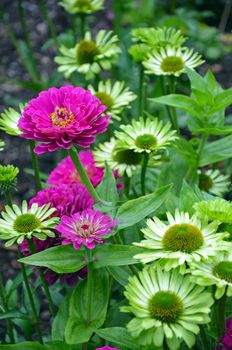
x=119 y=336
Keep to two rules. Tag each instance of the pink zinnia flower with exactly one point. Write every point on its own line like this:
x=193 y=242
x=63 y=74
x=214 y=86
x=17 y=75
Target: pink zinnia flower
x=61 y=117
x=107 y=348
x=67 y=199
x=66 y=173
x=86 y=227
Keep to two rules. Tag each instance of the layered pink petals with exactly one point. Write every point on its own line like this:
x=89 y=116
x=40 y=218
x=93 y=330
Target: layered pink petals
x=86 y=227
x=61 y=117
x=67 y=199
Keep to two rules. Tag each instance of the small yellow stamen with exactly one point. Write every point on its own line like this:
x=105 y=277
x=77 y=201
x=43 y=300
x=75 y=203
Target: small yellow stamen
x=61 y=117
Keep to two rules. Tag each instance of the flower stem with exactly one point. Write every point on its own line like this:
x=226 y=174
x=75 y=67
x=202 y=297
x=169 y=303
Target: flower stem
x=143 y=172
x=32 y=302
x=35 y=164
x=89 y=288
x=221 y=314
x=84 y=177
x=117 y=16
x=199 y=153
x=172 y=90
x=204 y=339
x=8 y=198
x=82 y=24
x=141 y=91
x=4 y=302
x=43 y=281
x=126 y=184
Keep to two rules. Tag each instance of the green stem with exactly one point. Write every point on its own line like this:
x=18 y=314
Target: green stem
x=43 y=281
x=199 y=153
x=117 y=16
x=221 y=314
x=172 y=90
x=143 y=172
x=8 y=198
x=204 y=339
x=4 y=302
x=82 y=24
x=35 y=164
x=27 y=38
x=84 y=177
x=141 y=94
x=126 y=185
x=89 y=288
x=31 y=299
x=50 y=24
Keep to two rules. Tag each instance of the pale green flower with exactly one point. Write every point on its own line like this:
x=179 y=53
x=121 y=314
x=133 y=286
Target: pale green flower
x=181 y=240
x=9 y=120
x=8 y=177
x=82 y=6
x=166 y=305
x=116 y=97
x=145 y=135
x=139 y=52
x=159 y=37
x=89 y=57
x=218 y=209
x=17 y=224
x=216 y=271
x=2 y=144
x=214 y=182
x=172 y=61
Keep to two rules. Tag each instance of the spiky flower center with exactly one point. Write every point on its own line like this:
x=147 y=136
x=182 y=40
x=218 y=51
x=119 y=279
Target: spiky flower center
x=172 y=64
x=83 y=5
x=26 y=223
x=223 y=270
x=146 y=141
x=127 y=157
x=165 y=306
x=61 y=117
x=205 y=182
x=183 y=237
x=105 y=98
x=86 y=51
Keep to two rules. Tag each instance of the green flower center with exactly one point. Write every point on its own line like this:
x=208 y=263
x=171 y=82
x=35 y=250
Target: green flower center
x=83 y=5
x=205 y=182
x=146 y=141
x=172 y=64
x=86 y=51
x=105 y=98
x=183 y=237
x=223 y=270
x=127 y=157
x=26 y=223
x=165 y=306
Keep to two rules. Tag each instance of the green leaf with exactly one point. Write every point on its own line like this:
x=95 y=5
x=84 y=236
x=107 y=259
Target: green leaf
x=137 y=209
x=114 y=255
x=107 y=189
x=189 y=196
x=60 y=320
x=13 y=314
x=61 y=259
x=119 y=336
x=79 y=329
x=213 y=130
x=217 y=151
x=120 y=274
x=24 y=346
x=223 y=100
x=183 y=102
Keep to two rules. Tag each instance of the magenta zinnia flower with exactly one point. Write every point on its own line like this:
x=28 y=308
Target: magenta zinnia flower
x=61 y=117
x=86 y=227
x=67 y=199
x=66 y=172
x=226 y=340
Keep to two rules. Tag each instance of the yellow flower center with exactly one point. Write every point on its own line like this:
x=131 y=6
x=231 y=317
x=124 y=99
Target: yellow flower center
x=172 y=64
x=61 y=117
x=183 y=237
x=83 y=5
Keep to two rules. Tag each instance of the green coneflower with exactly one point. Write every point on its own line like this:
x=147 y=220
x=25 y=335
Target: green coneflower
x=217 y=271
x=214 y=182
x=17 y=224
x=9 y=120
x=82 y=6
x=218 y=209
x=139 y=52
x=145 y=135
x=182 y=240
x=167 y=307
x=159 y=37
x=89 y=57
x=172 y=61
x=2 y=144
x=8 y=177
x=116 y=97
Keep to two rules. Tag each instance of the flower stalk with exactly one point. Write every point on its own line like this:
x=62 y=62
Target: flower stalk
x=35 y=164
x=89 y=288
x=10 y=330
x=143 y=172
x=221 y=314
